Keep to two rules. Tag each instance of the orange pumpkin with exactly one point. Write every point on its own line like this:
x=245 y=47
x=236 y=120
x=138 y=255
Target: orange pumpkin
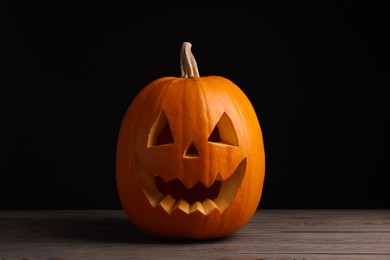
x=190 y=156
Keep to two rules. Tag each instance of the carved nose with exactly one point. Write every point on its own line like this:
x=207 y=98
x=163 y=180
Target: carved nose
x=191 y=151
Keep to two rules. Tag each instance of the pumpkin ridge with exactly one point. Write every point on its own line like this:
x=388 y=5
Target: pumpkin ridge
x=207 y=113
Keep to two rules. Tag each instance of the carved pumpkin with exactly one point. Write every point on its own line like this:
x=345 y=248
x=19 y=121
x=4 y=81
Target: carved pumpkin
x=190 y=156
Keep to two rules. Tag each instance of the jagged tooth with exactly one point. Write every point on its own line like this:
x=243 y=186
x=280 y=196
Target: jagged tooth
x=209 y=206
x=206 y=183
x=147 y=182
x=197 y=206
x=209 y=182
x=230 y=186
x=167 y=203
x=182 y=205
x=167 y=178
x=188 y=183
x=154 y=199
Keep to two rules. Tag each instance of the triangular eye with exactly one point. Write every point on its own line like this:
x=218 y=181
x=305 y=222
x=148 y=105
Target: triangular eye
x=160 y=133
x=224 y=132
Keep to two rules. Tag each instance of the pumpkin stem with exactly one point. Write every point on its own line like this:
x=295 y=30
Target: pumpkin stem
x=188 y=65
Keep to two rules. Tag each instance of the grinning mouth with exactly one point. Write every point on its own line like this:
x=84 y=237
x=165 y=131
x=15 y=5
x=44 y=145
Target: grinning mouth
x=173 y=195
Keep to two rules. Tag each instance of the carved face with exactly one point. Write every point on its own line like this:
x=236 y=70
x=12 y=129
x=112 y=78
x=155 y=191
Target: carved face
x=190 y=158
x=198 y=186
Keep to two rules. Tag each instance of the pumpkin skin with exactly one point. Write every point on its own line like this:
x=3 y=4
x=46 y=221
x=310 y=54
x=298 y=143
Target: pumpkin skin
x=190 y=158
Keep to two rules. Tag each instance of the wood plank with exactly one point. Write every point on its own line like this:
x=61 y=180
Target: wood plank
x=271 y=234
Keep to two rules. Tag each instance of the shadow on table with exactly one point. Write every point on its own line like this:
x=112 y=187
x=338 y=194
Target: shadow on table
x=93 y=228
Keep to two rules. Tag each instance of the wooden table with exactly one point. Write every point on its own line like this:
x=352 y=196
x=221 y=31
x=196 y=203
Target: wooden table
x=271 y=234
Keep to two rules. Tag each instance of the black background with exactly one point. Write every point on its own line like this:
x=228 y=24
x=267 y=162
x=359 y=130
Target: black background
x=317 y=75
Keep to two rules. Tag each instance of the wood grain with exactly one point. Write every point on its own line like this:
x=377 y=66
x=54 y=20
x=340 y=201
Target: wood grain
x=271 y=234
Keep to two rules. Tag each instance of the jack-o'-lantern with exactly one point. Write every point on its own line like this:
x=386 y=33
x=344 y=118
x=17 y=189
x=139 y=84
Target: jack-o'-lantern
x=190 y=156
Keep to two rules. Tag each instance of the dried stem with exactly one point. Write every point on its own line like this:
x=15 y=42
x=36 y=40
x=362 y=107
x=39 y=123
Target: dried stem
x=188 y=65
